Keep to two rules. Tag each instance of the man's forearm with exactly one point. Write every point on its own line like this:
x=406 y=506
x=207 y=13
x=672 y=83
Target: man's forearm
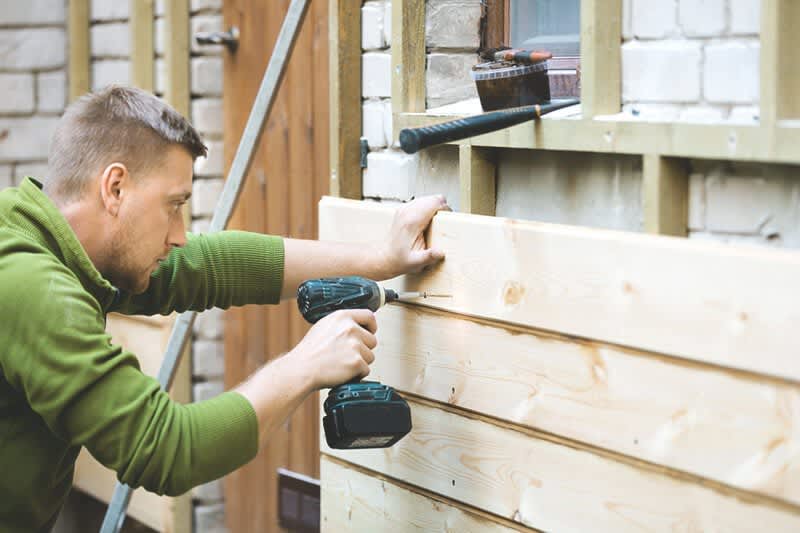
x=304 y=259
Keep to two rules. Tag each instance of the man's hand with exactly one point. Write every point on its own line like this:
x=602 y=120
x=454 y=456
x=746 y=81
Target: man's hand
x=338 y=348
x=405 y=250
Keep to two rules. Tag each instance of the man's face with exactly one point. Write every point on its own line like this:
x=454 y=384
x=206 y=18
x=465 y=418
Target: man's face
x=150 y=221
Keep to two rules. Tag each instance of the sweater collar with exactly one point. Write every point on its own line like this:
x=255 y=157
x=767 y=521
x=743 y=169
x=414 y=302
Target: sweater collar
x=65 y=244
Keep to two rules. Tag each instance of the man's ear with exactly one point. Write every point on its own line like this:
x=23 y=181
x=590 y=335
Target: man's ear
x=114 y=182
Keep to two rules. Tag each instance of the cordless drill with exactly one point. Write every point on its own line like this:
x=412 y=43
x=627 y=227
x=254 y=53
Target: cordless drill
x=358 y=414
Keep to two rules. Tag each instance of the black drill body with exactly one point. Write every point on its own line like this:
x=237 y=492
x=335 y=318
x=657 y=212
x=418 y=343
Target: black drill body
x=360 y=414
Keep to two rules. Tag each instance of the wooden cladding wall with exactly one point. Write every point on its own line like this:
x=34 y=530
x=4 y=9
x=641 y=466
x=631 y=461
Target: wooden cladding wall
x=579 y=380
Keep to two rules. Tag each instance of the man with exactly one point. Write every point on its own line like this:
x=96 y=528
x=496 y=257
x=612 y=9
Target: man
x=104 y=233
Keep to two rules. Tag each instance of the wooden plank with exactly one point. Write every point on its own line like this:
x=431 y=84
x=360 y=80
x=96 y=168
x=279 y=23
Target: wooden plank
x=345 y=98
x=476 y=172
x=540 y=483
x=601 y=36
x=714 y=424
x=176 y=55
x=408 y=59
x=780 y=76
x=608 y=135
x=79 y=54
x=142 y=44
x=665 y=195
x=732 y=306
x=355 y=499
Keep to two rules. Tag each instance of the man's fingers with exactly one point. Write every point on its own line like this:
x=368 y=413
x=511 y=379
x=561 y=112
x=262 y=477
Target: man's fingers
x=423 y=258
x=425 y=208
x=365 y=318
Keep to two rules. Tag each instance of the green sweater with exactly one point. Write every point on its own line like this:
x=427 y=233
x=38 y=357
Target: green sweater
x=64 y=385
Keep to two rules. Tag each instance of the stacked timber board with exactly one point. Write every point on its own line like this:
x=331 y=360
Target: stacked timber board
x=579 y=380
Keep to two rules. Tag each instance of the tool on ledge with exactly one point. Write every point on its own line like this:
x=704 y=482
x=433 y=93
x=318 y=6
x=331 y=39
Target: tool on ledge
x=363 y=414
x=526 y=57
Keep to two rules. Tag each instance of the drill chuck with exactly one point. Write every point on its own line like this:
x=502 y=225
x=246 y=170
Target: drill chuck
x=317 y=298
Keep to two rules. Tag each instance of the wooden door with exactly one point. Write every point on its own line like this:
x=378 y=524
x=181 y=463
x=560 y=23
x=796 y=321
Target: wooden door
x=287 y=179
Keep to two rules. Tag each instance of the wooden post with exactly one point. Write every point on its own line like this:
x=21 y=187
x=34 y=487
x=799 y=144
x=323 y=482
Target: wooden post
x=601 y=35
x=79 y=54
x=142 y=44
x=176 y=55
x=345 y=98
x=408 y=59
x=780 y=77
x=476 y=171
x=665 y=195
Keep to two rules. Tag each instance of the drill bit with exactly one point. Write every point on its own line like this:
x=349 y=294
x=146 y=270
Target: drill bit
x=420 y=294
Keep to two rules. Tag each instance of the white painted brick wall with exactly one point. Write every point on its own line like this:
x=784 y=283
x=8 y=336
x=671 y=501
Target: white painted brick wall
x=110 y=71
x=372 y=26
x=390 y=174
x=207 y=115
x=204 y=5
x=206 y=23
x=35 y=170
x=448 y=78
x=653 y=19
x=747 y=115
x=208 y=359
x=201 y=225
x=110 y=40
x=25 y=139
x=207 y=76
x=731 y=72
x=205 y=194
x=387 y=122
x=51 y=91
x=663 y=71
x=210 y=519
x=373 y=129
x=20 y=12
x=208 y=492
x=387 y=23
x=32 y=49
x=376 y=74
x=745 y=17
x=702 y=114
x=6 y=179
x=108 y=10
x=452 y=24
x=214 y=164
x=702 y=18
x=207 y=390
x=209 y=324
x=17 y=93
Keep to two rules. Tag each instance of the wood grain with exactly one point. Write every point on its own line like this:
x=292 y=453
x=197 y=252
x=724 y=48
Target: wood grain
x=713 y=303
x=408 y=59
x=142 y=44
x=554 y=487
x=601 y=58
x=477 y=180
x=710 y=423
x=779 y=76
x=665 y=195
x=79 y=77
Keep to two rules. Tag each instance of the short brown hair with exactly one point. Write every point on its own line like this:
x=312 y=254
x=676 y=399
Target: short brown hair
x=117 y=124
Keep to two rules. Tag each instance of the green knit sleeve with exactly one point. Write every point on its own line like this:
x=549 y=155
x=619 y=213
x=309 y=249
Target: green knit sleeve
x=91 y=392
x=213 y=270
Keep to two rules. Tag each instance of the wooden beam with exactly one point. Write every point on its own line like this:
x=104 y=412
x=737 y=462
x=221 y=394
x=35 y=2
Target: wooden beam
x=780 y=64
x=345 y=98
x=607 y=135
x=142 y=44
x=540 y=483
x=712 y=303
x=665 y=195
x=476 y=171
x=356 y=499
x=637 y=404
x=408 y=58
x=601 y=36
x=79 y=54
x=177 y=91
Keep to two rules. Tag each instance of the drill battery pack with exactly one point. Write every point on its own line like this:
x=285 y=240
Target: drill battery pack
x=366 y=414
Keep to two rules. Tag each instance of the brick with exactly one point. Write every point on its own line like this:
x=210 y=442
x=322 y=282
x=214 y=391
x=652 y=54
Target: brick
x=376 y=75
x=387 y=23
x=207 y=115
x=160 y=81
x=665 y=71
x=654 y=19
x=17 y=91
x=390 y=174
x=208 y=359
x=702 y=18
x=372 y=36
x=34 y=170
x=452 y=24
x=210 y=519
x=697 y=201
x=111 y=40
x=741 y=204
x=448 y=79
x=702 y=115
x=213 y=165
x=108 y=10
x=745 y=17
x=206 y=5
x=372 y=124
x=627 y=19
x=208 y=492
x=207 y=390
x=110 y=71
x=387 y=121
x=6 y=179
x=25 y=139
x=32 y=49
x=652 y=112
x=210 y=324
x=207 y=76
x=748 y=115
x=205 y=23
x=731 y=72
x=51 y=91
x=33 y=12
x=159 y=38
x=201 y=225
x=159 y=8
x=205 y=194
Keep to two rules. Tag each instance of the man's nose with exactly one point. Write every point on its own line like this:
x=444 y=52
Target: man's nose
x=177 y=232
